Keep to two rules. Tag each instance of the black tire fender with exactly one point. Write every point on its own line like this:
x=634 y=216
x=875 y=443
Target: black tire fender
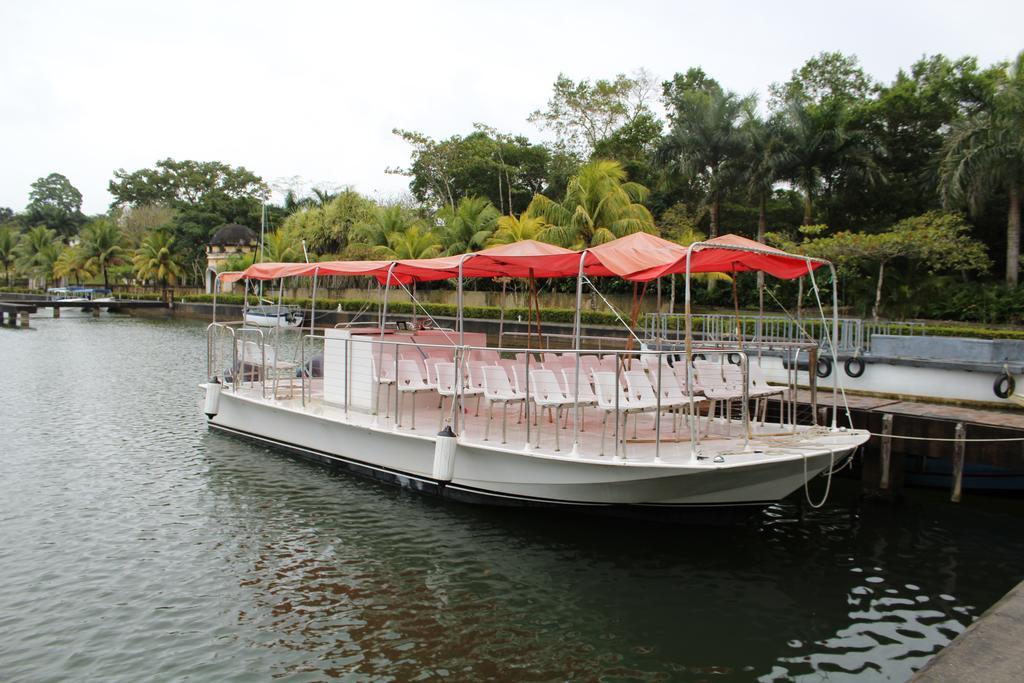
x=854 y=366
x=823 y=368
x=734 y=358
x=1004 y=386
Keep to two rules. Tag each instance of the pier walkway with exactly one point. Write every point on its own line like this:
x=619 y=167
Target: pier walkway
x=22 y=307
x=989 y=650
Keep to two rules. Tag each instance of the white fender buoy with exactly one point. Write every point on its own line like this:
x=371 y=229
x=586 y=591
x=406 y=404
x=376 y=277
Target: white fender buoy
x=212 y=398
x=444 y=454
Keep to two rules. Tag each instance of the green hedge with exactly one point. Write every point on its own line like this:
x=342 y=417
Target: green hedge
x=549 y=315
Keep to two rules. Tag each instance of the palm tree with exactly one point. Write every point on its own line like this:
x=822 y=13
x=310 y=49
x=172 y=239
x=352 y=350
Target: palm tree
x=765 y=157
x=469 y=226
x=812 y=145
x=512 y=229
x=70 y=264
x=600 y=205
x=101 y=246
x=156 y=259
x=985 y=152
x=280 y=246
x=706 y=143
x=386 y=220
x=8 y=244
x=819 y=141
x=37 y=251
x=412 y=243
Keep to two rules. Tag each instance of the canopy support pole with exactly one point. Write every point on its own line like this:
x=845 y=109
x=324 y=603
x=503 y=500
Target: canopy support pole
x=501 y=316
x=245 y=302
x=835 y=350
x=312 y=303
x=691 y=418
x=384 y=308
x=577 y=346
x=458 y=300
x=672 y=294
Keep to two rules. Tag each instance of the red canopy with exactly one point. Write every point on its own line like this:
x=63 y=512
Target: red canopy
x=639 y=257
x=735 y=254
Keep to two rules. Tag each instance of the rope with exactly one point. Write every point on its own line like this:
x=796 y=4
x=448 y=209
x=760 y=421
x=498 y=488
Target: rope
x=942 y=439
x=828 y=481
x=831 y=343
x=437 y=325
x=613 y=310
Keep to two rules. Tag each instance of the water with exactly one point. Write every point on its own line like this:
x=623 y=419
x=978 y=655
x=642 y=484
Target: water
x=138 y=546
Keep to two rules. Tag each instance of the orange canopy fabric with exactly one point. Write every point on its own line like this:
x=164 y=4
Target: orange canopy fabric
x=639 y=257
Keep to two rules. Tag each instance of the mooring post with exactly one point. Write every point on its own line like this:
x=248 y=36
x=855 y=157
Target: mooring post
x=821 y=418
x=95 y=311
x=958 y=462
x=886 y=454
x=56 y=311
x=24 y=318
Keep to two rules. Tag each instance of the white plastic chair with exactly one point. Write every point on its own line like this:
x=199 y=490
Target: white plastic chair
x=497 y=389
x=586 y=392
x=545 y=392
x=643 y=392
x=719 y=391
x=382 y=367
x=604 y=386
x=410 y=381
x=446 y=387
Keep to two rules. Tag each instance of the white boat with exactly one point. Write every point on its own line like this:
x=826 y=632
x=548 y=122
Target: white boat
x=274 y=316
x=440 y=412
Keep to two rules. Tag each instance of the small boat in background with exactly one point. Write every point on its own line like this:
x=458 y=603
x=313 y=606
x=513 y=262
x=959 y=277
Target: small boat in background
x=274 y=315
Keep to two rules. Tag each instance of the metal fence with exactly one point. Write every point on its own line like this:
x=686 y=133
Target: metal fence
x=854 y=333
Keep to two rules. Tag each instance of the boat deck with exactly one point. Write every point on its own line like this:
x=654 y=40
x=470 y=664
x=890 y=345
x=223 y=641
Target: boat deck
x=718 y=436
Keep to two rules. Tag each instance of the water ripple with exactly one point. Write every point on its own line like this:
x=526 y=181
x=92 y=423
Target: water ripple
x=137 y=545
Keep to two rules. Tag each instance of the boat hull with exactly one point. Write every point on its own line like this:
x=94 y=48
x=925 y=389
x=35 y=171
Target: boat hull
x=502 y=476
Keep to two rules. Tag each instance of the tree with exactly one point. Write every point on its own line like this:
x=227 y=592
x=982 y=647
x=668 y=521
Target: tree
x=384 y=222
x=185 y=182
x=985 y=152
x=56 y=203
x=138 y=221
x=327 y=229
x=705 y=142
x=764 y=158
x=36 y=252
x=511 y=229
x=469 y=227
x=157 y=259
x=939 y=241
x=412 y=243
x=204 y=194
x=70 y=264
x=910 y=119
x=8 y=251
x=102 y=246
x=504 y=168
x=829 y=79
x=281 y=246
x=583 y=114
x=600 y=205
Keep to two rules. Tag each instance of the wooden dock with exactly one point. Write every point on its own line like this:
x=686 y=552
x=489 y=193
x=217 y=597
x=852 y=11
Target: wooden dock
x=962 y=435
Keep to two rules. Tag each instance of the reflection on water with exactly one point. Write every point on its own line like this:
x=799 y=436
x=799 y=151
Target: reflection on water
x=138 y=546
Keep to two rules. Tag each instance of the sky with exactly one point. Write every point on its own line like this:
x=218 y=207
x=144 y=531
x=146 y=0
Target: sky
x=314 y=89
